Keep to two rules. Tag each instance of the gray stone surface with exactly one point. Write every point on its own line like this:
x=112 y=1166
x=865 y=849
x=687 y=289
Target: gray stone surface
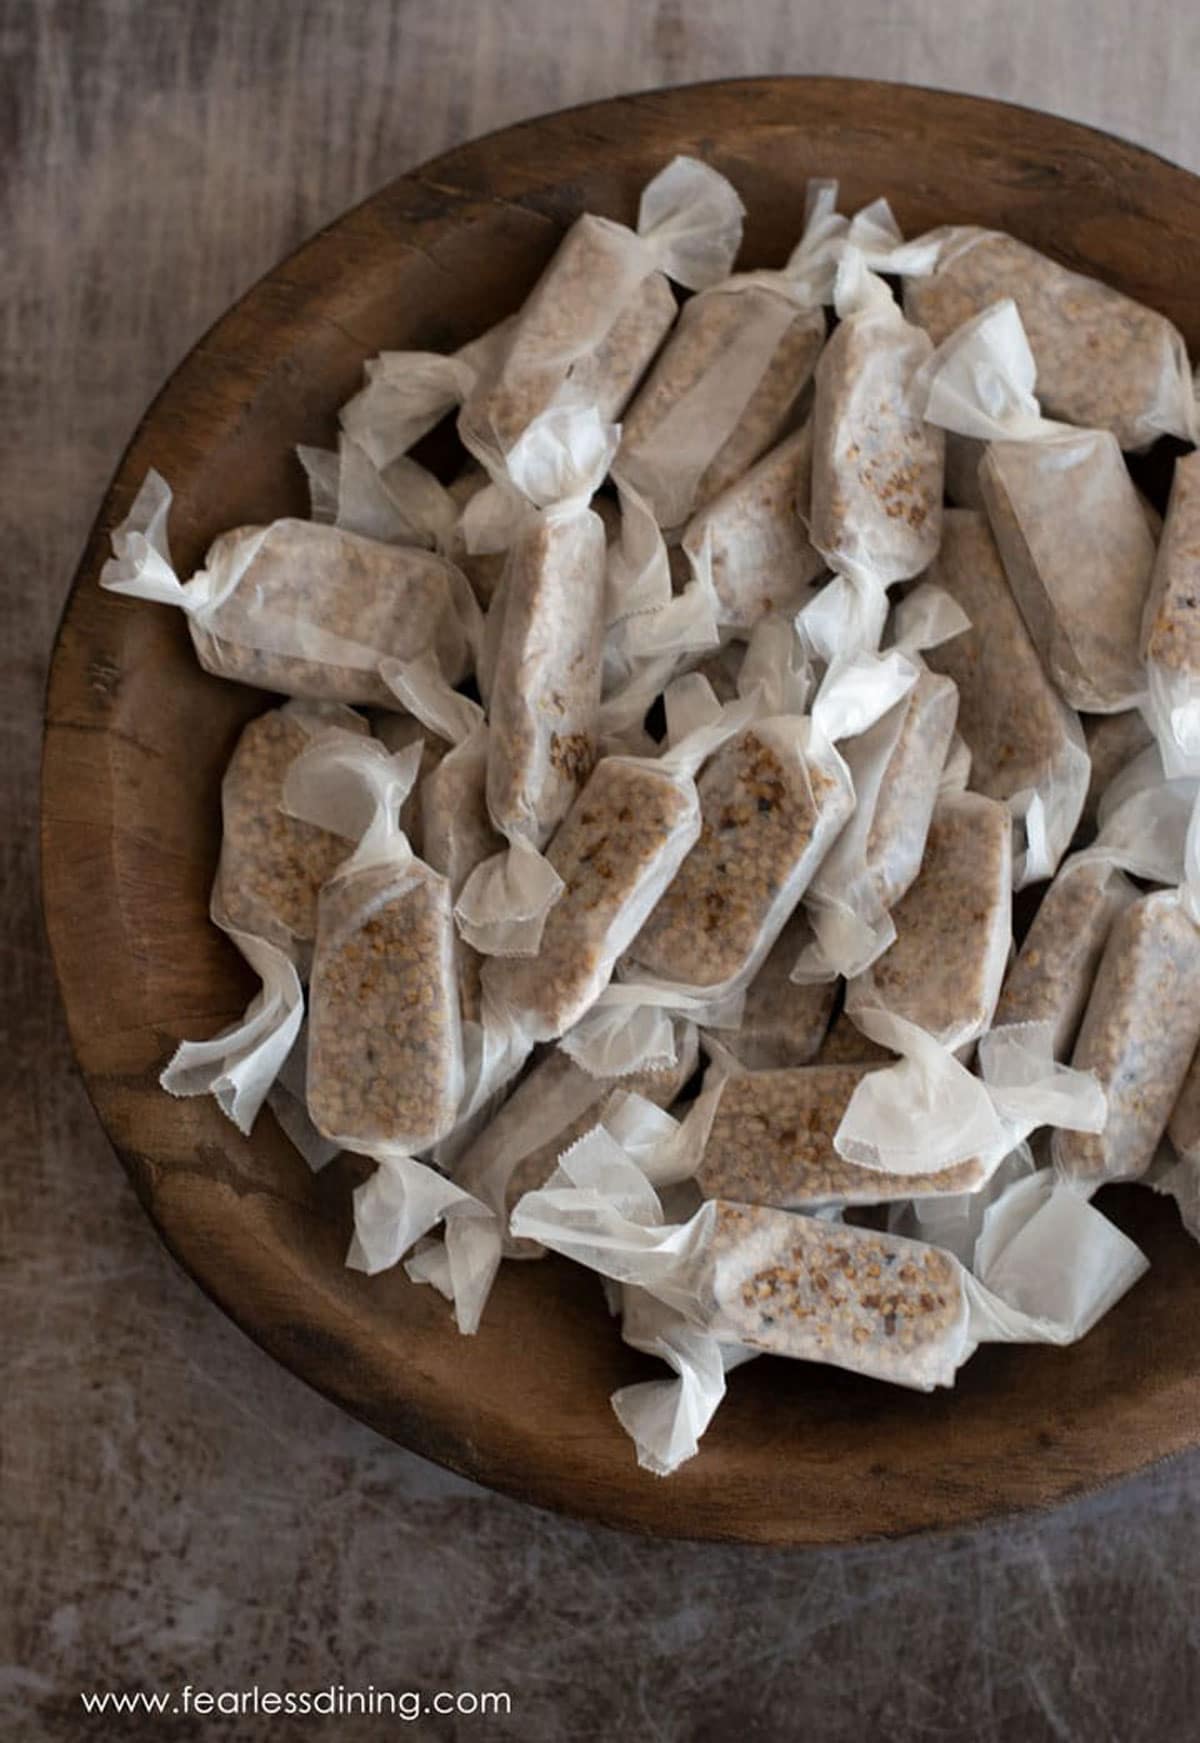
x=177 y=1508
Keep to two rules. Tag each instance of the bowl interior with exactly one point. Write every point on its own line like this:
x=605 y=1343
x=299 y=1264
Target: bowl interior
x=138 y=736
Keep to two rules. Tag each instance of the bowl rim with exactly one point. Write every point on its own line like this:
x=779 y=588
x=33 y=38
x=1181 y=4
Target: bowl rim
x=458 y=177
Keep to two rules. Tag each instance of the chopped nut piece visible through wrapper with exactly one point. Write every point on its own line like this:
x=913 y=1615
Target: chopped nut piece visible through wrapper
x=297 y=607
x=1026 y=745
x=272 y=866
x=1066 y=517
x=1104 y=362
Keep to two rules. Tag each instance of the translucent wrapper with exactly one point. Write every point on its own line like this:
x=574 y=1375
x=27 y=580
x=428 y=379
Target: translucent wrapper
x=396 y=730
x=845 y=1043
x=1027 y=747
x=399 y=1205
x=238 y=1066
x=385 y=1058
x=287 y=1099
x=877 y=465
x=546 y=676
x=1052 y=975
x=603 y=305
x=953 y=928
x=456 y=829
x=272 y=866
x=1104 y=361
x=553 y=1106
x=1140 y=1030
x=620 y=845
x=1064 y=511
x=483 y=569
x=782 y=1023
x=1113 y=740
x=407 y=393
x=928 y=1112
x=404 y=504
x=730 y=374
x=954 y=1220
x=752 y=540
x=813 y=1290
x=895 y=769
x=766 y=1137
x=297 y=607
x=1171 y=627
x=772 y=802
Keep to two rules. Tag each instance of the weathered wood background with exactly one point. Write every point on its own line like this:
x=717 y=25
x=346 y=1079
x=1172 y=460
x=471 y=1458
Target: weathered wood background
x=176 y=1508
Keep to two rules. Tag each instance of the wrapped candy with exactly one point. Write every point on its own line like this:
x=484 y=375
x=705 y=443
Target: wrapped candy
x=1183 y=1127
x=813 y=1290
x=953 y=928
x=1027 y=747
x=730 y=374
x=896 y=769
x=297 y=607
x=772 y=802
x=1104 y=362
x=1171 y=627
x=545 y=677
x=1141 y=1027
x=751 y=542
x=602 y=307
x=1063 y=509
x=877 y=465
x=384 y=1047
x=619 y=847
x=272 y=866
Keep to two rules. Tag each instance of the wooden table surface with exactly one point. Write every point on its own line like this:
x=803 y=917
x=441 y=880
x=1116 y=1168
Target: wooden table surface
x=176 y=1508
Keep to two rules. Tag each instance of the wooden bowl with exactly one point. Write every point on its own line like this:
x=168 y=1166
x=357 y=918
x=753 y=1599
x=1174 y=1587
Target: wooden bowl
x=137 y=737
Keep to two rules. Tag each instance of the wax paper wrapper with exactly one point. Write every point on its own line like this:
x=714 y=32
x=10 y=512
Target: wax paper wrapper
x=1066 y=517
x=385 y=1054
x=1171 y=627
x=296 y=606
x=602 y=307
x=730 y=374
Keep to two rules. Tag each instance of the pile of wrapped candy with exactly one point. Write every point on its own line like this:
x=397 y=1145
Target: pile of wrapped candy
x=630 y=867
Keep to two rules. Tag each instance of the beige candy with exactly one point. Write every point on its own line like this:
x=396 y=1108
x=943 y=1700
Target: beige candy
x=769 y=812
x=1052 y=975
x=847 y=1045
x=1113 y=740
x=1183 y=1128
x=384 y=1052
x=771 y=1142
x=545 y=685
x=1139 y=1034
x=590 y=327
x=626 y=833
x=1103 y=361
x=1021 y=735
x=317 y=608
x=754 y=537
x=1171 y=626
x=272 y=865
x=877 y=466
x=1078 y=555
x=824 y=1292
x=746 y=346
x=953 y=928
x=782 y=1023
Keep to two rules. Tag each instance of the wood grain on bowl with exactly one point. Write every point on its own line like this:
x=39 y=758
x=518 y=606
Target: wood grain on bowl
x=137 y=738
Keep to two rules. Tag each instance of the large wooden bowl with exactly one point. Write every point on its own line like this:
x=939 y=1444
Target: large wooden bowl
x=137 y=737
